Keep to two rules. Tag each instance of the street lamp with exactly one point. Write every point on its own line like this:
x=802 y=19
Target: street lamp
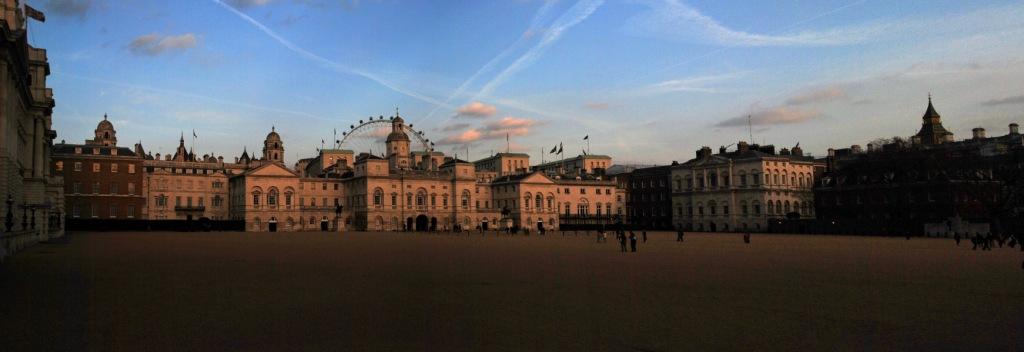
x=9 y=218
x=337 y=216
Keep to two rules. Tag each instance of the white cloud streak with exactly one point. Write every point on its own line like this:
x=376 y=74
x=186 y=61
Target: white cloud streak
x=332 y=65
x=679 y=21
x=576 y=14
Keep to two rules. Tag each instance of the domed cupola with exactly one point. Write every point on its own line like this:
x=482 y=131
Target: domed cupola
x=273 y=148
x=105 y=133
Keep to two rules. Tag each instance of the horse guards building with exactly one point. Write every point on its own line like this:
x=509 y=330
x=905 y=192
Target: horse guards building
x=337 y=189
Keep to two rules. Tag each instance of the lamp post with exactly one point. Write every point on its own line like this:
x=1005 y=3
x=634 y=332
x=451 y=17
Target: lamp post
x=337 y=216
x=9 y=218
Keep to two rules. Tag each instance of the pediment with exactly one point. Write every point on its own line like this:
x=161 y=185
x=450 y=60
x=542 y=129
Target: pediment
x=271 y=169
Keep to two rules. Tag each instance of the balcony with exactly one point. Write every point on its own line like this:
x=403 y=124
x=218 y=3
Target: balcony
x=190 y=208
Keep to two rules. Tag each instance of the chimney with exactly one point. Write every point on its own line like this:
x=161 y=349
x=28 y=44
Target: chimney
x=743 y=147
x=783 y=151
x=856 y=149
x=798 y=151
x=703 y=152
x=721 y=150
x=1013 y=129
x=831 y=152
x=978 y=132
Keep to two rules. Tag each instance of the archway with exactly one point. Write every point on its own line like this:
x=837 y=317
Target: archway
x=323 y=224
x=272 y=224
x=421 y=223
x=713 y=227
x=484 y=224
x=408 y=224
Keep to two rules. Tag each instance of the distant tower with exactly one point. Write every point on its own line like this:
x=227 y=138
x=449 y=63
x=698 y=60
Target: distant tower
x=932 y=132
x=105 y=133
x=398 y=144
x=273 y=148
x=181 y=154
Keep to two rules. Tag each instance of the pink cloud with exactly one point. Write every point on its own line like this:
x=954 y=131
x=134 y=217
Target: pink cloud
x=477 y=109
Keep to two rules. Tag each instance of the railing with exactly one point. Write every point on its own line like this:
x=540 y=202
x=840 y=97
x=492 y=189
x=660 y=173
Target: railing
x=189 y=208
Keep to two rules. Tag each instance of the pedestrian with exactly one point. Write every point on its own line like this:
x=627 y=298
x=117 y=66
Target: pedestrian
x=622 y=243
x=679 y=235
x=746 y=238
x=956 y=237
x=632 y=240
x=644 y=235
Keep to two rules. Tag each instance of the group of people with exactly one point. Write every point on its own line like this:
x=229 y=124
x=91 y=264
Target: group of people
x=990 y=240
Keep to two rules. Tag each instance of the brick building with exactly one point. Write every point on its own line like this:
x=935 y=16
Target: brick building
x=101 y=180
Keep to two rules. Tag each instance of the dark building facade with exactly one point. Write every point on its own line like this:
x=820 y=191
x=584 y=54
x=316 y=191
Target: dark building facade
x=101 y=180
x=903 y=186
x=648 y=197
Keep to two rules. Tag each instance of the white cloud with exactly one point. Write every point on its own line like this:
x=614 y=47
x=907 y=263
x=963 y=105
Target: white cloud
x=818 y=96
x=576 y=14
x=682 y=22
x=779 y=115
x=155 y=44
x=698 y=84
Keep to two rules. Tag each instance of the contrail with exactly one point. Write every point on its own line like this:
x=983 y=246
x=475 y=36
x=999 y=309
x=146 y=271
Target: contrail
x=192 y=95
x=579 y=12
x=534 y=26
x=337 y=67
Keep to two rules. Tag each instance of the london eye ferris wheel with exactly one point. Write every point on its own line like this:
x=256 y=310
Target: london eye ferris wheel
x=369 y=136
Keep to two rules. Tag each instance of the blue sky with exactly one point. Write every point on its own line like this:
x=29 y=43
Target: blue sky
x=648 y=81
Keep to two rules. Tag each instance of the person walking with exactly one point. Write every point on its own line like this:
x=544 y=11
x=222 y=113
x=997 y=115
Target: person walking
x=644 y=235
x=679 y=234
x=632 y=240
x=746 y=238
x=956 y=237
x=622 y=242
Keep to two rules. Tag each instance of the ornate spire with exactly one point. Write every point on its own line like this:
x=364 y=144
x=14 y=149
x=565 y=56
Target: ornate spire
x=104 y=116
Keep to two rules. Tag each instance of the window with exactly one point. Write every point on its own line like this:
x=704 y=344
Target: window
x=131 y=168
x=95 y=167
x=113 y=167
x=78 y=166
x=76 y=187
x=583 y=191
x=131 y=188
x=95 y=187
x=113 y=188
x=394 y=199
x=76 y=211
x=130 y=211
x=218 y=201
x=201 y=198
x=272 y=197
x=288 y=199
x=256 y=198
x=113 y=211
x=378 y=197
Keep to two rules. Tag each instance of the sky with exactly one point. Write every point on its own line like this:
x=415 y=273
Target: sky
x=648 y=81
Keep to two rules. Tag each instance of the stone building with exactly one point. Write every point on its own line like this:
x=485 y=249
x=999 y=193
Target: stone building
x=902 y=186
x=578 y=165
x=185 y=187
x=30 y=195
x=744 y=189
x=414 y=190
x=101 y=179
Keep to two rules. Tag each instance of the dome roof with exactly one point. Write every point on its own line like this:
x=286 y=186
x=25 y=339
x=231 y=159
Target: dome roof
x=397 y=136
x=105 y=125
x=273 y=136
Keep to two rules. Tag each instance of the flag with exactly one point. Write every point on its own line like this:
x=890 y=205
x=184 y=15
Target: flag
x=553 y=150
x=34 y=14
x=560 y=148
x=194 y=134
x=584 y=151
x=586 y=137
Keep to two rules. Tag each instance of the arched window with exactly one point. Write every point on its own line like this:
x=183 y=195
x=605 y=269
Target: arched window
x=539 y=202
x=421 y=198
x=526 y=200
x=378 y=197
x=778 y=206
x=608 y=208
x=787 y=208
x=568 y=208
x=256 y=198
x=771 y=207
x=597 y=209
x=711 y=207
x=272 y=197
x=465 y=199
x=551 y=202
